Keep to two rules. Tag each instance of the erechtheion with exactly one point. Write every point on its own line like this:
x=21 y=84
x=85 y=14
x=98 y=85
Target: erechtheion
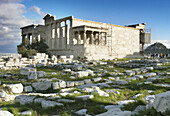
x=83 y=38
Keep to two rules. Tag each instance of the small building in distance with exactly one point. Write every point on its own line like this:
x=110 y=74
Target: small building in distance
x=84 y=38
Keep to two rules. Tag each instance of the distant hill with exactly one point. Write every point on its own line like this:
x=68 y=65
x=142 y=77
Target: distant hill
x=157 y=48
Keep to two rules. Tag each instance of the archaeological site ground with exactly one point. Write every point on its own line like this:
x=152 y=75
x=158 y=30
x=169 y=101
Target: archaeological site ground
x=67 y=87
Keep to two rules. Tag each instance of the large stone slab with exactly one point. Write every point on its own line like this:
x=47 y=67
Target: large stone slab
x=24 y=99
x=82 y=74
x=81 y=112
x=55 y=85
x=97 y=79
x=162 y=102
x=15 y=88
x=47 y=104
x=66 y=100
x=28 y=89
x=5 y=113
x=41 y=74
x=115 y=112
x=121 y=82
x=85 y=97
x=130 y=72
x=41 y=86
x=62 y=84
x=26 y=70
x=32 y=75
x=2 y=93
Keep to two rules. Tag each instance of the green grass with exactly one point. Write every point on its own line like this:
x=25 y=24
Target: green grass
x=152 y=112
x=133 y=105
x=162 y=81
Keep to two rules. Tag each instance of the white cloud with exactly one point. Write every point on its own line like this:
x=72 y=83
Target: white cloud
x=37 y=10
x=11 y=19
x=164 y=42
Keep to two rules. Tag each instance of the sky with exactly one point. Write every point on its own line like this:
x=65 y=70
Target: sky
x=18 y=13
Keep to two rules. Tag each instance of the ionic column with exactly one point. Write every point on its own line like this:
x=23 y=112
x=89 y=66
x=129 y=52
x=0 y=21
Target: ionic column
x=56 y=36
x=99 y=38
x=91 y=38
x=105 y=38
x=84 y=35
x=78 y=37
x=60 y=36
x=66 y=36
x=71 y=36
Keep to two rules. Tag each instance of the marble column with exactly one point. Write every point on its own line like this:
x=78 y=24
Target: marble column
x=78 y=37
x=91 y=38
x=84 y=37
x=66 y=34
x=100 y=37
x=60 y=35
x=105 y=38
x=71 y=36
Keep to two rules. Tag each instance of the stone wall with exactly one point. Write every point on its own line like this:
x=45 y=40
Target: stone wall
x=124 y=41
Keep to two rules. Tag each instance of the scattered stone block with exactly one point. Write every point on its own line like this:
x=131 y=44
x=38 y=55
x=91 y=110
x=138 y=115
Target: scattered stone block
x=138 y=108
x=24 y=99
x=162 y=102
x=5 y=113
x=109 y=107
x=28 y=89
x=149 y=99
x=85 y=97
x=62 y=84
x=70 y=83
x=97 y=79
x=26 y=70
x=115 y=112
x=2 y=93
x=55 y=85
x=41 y=74
x=86 y=81
x=41 y=86
x=66 y=100
x=149 y=75
x=66 y=89
x=99 y=92
x=26 y=113
x=15 y=88
x=130 y=72
x=77 y=83
x=39 y=100
x=47 y=104
x=136 y=96
x=82 y=74
x=121 y=82
x=32 y=75
x=81 y=112
x=122 y=103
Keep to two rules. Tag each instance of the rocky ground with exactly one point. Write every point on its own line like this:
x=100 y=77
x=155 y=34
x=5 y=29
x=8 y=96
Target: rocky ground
x=119 y=87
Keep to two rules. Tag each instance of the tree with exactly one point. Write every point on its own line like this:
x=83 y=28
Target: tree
x=40 y=46
x=29 y=50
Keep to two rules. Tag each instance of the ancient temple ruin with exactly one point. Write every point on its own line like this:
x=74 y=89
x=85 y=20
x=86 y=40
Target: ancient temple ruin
x=83 y=38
